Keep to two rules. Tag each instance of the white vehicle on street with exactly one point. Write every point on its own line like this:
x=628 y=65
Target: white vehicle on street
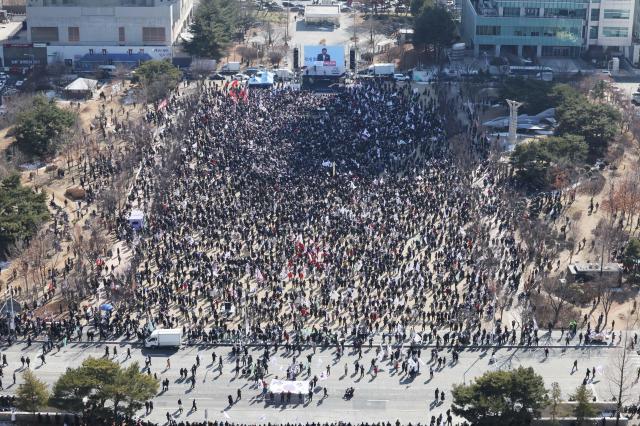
x=400 y=77
x=162 y=338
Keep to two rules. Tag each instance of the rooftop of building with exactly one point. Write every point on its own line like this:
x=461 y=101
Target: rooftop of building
x=9 y=30
x=492 y=7
x=586 y=268
x=97 y=3
x=322 y=10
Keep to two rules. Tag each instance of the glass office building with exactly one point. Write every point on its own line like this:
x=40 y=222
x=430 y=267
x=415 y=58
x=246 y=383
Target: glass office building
x=547 y=28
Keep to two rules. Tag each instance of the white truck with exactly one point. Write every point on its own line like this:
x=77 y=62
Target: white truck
x=382 y=70
x=230 y=68
x=162 y=338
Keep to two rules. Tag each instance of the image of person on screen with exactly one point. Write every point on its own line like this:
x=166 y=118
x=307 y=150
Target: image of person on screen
x=323 y=56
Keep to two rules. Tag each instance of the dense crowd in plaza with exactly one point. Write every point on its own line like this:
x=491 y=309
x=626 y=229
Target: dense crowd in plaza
x=290 y=217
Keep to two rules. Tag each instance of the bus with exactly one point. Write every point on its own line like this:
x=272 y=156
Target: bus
x=531 y=71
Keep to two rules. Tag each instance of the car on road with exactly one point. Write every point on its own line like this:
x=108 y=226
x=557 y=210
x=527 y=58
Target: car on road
x=400 y=77
x=287 y=4
x=19 y=83
x=346 y=9
x=217 y=76
x=296 y=9
x=240 y=77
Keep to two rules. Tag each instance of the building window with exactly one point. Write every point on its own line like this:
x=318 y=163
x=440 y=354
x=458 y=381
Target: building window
x=616 y=14
x=44 y=34
x=593 y=32
x=130 y=51
x=121 y=37
x=74 y=34
x=90 y=51
x=615 y=32
x=104 y=51
x=595 y=14
x=489 y=30
x=511 y=11
x=153 y=35
x=531 y=11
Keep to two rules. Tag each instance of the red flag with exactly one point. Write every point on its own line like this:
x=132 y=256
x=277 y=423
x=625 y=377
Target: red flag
x=234 y=83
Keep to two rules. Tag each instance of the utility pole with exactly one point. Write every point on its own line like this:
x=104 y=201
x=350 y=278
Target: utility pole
x=286 y=29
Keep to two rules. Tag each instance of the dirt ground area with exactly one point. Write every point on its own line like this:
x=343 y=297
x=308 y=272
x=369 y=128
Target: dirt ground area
x=89 y=112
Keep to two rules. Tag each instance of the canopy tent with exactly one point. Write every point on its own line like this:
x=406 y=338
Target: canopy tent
x=261 y=79
x=293 y=386
x=136 y=219
x=82 y=87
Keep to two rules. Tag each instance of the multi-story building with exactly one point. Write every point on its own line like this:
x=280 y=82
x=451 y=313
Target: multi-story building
x=104 y=31
x=535 y=28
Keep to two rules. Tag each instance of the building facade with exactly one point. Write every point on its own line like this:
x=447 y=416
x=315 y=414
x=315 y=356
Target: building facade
x=535 y=28
x=77 y=29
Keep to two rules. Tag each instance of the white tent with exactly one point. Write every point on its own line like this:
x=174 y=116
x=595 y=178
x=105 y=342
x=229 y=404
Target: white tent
x=82 y=85
x=81 y=88
x=136 y=219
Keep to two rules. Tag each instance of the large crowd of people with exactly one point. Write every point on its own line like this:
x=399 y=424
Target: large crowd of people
x=287 y=217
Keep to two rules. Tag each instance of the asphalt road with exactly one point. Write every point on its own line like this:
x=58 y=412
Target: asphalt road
x=389 y=396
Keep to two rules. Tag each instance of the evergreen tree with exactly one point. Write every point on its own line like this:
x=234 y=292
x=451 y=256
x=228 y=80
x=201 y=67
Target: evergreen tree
x=32 y=395
x=213 y=27
x=21 y=212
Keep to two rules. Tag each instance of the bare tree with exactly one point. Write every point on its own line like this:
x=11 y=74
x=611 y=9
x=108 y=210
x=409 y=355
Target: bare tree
x=555 y=399
x=620 y=375
x=275 y=57
x=558 y=295
x=607 y=297
x=247 y=53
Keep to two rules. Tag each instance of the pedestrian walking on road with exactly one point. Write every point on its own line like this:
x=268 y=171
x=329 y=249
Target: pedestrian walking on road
x=168 y=363
x=230 y=398
x=575 y=366
x=28 y=361
x=42 y=358
x=194 y=407
x=128 y=353
x=239 y=395
x=180 y=405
